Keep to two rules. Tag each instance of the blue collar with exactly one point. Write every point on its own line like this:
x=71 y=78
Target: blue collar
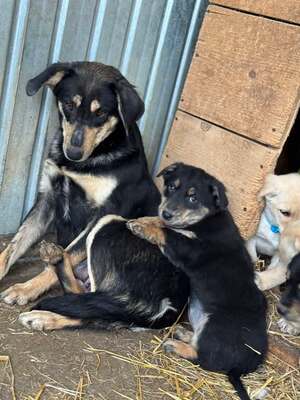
x=275 y=228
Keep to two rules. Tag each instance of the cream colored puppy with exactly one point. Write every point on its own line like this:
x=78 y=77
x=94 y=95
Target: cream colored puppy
x=278 y=233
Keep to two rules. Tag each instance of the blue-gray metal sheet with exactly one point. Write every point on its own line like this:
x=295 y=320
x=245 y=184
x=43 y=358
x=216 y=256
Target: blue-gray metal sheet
x=151 y=41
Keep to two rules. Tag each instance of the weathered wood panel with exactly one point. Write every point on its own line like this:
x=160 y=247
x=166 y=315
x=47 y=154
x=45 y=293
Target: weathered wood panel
x=245 y=75
x=287 y=10
x=240 y=163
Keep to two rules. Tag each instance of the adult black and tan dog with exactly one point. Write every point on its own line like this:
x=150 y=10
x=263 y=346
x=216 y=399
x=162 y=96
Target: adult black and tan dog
x=227 y=311
x=96 y=166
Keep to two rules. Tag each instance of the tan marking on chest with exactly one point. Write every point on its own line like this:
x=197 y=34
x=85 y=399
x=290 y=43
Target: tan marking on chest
x=97 y=188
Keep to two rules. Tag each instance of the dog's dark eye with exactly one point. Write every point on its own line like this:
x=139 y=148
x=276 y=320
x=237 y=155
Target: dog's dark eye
x=285 y=213
x=171 y=187
x=69 y=106
x=193 y=198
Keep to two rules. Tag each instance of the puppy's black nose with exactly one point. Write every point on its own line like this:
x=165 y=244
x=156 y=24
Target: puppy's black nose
x=166 y=215
x=74 y=153
x=77 y=137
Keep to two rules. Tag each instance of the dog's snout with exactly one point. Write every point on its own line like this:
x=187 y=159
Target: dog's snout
x=167 y=215
x=77 y=137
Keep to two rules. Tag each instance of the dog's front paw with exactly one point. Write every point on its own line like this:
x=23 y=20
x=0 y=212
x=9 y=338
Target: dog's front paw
x=51 y=253
x=287 y=327
x=148 y=228
x=20 y=294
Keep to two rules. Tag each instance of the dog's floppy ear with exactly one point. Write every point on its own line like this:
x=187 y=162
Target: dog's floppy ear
x=168 y=170
x=50 y=77
x=130 y=105
x=269 y=189
x=218 y=193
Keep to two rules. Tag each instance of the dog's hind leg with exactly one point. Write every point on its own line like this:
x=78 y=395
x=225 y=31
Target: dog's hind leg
x=47 y=320
x=33 y=228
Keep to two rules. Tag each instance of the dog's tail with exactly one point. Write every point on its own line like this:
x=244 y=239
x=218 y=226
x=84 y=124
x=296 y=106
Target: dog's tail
x=235 y=379
x=98 y=310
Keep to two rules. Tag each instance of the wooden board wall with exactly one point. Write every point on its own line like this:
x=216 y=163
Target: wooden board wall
x=239 y=102
x=247 y=75
x=238 y=162
x=287 y=10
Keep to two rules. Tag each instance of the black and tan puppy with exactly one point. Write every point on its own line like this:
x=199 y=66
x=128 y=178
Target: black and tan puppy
x=96 y=166
x=227 y=311
x=289 y=305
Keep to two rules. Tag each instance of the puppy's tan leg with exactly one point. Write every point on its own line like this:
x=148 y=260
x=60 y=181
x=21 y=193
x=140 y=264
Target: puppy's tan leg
x=64 y=264
x=271 y=278
x=47 y=320
x=22 y=293
x=182 y=349
x=148 y=228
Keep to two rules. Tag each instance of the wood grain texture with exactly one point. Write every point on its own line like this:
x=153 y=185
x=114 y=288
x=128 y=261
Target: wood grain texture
x=238 y=162
x=245 y=75
x=287 y=10
x=284 y=351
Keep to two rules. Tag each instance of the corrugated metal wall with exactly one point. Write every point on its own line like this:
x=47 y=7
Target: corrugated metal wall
x=151 y=41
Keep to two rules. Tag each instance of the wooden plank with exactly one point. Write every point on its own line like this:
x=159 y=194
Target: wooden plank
x=245 y=75
x=284 y=351
x=238 y=162
x=287 y=10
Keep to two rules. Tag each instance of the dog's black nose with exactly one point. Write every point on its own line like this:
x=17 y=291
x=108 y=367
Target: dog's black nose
x=166 y=215
x=74 y=153
x=77 y=137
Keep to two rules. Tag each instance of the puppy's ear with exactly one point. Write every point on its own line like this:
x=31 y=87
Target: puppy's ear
x=218 y=192
x=269 y=189
x=50 y=77
x=168 y=170
x=130 y=105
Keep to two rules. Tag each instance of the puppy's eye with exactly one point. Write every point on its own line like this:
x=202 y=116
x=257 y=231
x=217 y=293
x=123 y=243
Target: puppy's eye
x=193 y=198
x=285 y=213
x=69 y=106
x=171 y=187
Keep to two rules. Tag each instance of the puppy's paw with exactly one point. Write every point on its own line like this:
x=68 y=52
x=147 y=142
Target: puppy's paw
x=51 y=253
x=20 y=294
x=287 y=327
x=148 y=228
x=169 y=346
x=183 y=334
x=259 y=281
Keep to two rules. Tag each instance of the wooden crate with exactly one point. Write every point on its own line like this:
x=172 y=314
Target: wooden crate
x=239 y=102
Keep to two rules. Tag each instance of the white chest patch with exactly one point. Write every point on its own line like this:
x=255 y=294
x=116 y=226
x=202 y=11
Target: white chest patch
x=97 y=188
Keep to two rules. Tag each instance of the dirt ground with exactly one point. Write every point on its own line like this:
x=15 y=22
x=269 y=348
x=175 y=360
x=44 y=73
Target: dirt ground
x=61 y=359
